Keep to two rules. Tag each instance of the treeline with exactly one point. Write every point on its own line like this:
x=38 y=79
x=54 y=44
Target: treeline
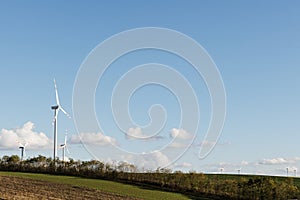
x=194 y=184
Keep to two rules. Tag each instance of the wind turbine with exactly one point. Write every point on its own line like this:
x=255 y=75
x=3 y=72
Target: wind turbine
x=221 y=170
x=22 y=148
x=56 y=109
x=64 y=147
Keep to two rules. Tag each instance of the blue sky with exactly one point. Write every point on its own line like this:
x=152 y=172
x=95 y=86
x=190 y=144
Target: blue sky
x=255 y=45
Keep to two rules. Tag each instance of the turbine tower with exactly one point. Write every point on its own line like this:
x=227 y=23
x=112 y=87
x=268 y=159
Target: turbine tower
x=64 y=147
x=56 y=109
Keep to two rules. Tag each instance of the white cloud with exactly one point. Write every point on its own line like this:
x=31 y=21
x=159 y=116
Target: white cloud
x=9 y=139
x=137 y=133
x=183 y=165
x=147 y=161
x=275 y=161
x=134 y=133
x=244 y=163
x=152 y=160
x=93 y=138
x=180 y=134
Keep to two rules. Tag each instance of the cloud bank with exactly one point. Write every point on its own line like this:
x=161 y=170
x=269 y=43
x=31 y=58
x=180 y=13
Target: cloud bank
x=134 y=133
x=180 y=134
x=10 y=138
x=137 y=133
x=93 y=139
x=153 y=160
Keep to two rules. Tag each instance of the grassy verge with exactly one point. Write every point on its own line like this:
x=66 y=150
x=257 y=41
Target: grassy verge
x=103 y=185
x=296 y=180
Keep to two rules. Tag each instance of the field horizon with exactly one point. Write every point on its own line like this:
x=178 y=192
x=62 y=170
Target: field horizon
x=135 y=190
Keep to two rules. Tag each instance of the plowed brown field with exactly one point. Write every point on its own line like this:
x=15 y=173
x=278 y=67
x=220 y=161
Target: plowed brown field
x=24 y=188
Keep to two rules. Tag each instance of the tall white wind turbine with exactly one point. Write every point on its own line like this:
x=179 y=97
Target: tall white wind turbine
x=56 y=109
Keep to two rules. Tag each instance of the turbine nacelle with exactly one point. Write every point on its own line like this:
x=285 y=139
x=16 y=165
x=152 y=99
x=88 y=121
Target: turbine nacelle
x=54 y=107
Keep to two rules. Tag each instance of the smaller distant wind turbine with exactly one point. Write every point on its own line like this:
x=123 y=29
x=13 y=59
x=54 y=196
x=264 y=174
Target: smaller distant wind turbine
x=287 y=171
x=22 y=149
x=64 y=147
x=239 y=171
x=221 y=170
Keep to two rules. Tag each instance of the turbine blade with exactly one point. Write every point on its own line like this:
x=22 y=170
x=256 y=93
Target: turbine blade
x=65 y=140
x=60 y=108
x=67 y=149
x=20 y=144
x=56 y=93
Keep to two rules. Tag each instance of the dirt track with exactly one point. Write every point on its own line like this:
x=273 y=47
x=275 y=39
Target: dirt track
x=23 y=188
